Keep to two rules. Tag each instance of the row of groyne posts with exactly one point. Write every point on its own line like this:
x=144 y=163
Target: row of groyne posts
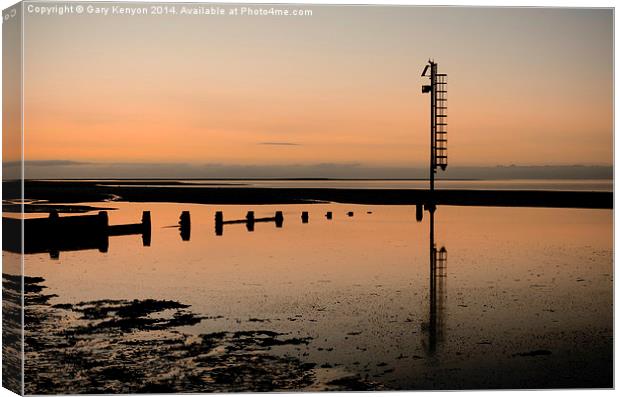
x=250 y=220
x=83 y=232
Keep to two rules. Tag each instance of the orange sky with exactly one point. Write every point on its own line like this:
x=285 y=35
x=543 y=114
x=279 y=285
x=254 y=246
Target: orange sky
x=526 y=86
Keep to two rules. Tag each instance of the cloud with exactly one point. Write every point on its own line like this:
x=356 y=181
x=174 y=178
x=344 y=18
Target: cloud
x=279 y=143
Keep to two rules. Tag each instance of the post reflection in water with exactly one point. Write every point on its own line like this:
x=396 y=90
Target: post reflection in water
x=438 y=259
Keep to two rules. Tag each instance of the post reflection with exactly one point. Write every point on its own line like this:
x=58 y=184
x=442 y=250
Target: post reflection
x=438 y=259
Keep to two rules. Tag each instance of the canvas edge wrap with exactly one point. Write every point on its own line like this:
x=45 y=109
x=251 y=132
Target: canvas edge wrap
x=13 y=188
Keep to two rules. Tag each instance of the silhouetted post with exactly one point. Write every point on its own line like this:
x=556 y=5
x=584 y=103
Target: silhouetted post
x=185 y=225
x=250 y=221
x=103 y=219
x=304 y=217
x=219 y=217
x=53 y=227
x=104 y=243
x=184 y=218
x=146 y=219
x=350 y=213
x=419 y=212
x=53 y=215
x=219 y=223
x=146 y=228
x=438 y=120
x=328 y=215
x=279 y=219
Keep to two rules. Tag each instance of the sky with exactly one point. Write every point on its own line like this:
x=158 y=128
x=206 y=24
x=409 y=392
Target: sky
x=341 y=87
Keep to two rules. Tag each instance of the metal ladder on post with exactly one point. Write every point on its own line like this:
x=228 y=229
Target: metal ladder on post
x=441 y=120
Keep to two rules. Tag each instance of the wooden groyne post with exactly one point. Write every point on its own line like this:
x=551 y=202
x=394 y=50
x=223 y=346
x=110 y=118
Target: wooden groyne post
x=419 y=212
x=72 y=233
x=185 y=225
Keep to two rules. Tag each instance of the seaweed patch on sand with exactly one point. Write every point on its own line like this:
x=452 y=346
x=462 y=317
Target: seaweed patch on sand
x=123 y=346
x=12 y=330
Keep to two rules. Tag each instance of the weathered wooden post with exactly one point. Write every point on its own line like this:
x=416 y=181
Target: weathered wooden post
x=279 y=218
x=52 y=228
x=104 y=243
x=250 y=221
x=219 y=216
x=419 y=212
x=102 y=235
x=430 y=207
x=219 y=223
x=146 y=219
x=185 y=225
x=103 y=219
x=146 y=228
x=184 y=219
x=104 y=240
x=53 y=215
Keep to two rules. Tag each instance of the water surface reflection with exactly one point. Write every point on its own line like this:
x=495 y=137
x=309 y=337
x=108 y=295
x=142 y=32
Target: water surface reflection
x=530 y=289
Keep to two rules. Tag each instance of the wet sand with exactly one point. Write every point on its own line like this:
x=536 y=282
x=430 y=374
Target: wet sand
x=136 y=346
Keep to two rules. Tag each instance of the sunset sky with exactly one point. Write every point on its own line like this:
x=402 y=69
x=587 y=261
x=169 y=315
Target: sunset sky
x=525 y=86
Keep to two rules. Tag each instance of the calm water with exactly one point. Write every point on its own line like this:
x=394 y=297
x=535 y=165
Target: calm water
x=519 y=298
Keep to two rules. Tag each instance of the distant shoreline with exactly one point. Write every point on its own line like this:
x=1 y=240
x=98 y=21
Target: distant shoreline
x=70 y=192
x=313 y=179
